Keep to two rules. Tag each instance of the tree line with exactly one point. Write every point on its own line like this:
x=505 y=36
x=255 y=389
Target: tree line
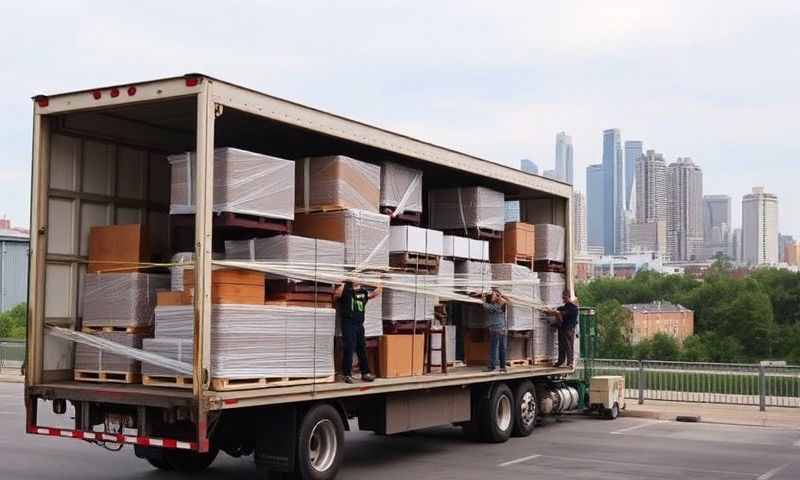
x=736 y=318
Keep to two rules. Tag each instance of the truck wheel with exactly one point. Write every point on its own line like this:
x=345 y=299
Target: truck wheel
x=189 y=461
x=525 y=411
x=154 y=456
x=613 y=412
x=320 y=443
x=497 y=415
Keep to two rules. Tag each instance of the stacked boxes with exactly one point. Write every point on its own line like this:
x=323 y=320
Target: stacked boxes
x=551 y=287
x=550 y=242
x=401 y=305
x=231 y=286
x=455 y=247
x=121 y=299
x=517 y=244
x=523 y=284
x=117 y=248
x=409 y=239
x=365 y=234
x=401 y=186
x=244 y=182
x=466 y=208
x=336 y=183
x=287 y=249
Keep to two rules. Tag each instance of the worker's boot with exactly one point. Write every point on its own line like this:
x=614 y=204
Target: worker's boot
x=348 y=379
x=367 y=377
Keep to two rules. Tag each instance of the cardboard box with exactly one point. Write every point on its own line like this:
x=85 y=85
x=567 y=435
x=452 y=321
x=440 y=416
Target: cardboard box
x=406 y=238
x=396 y=359
x=398 y=182
x=170 y=298
x=231 y=286
x=478 y=250
x=455 y=247
x=476 y=347
x=336 y=182
x=123 y=247
x=517 y=243
x=466 y=207
x=360 y=231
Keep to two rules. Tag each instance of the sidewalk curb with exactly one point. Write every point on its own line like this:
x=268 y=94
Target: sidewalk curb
x=671 y=417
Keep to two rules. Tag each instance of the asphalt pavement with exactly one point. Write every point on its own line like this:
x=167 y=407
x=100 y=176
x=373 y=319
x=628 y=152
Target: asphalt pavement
x=576 y=448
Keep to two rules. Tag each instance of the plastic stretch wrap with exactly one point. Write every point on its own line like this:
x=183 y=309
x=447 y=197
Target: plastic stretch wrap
x=121 y=299
x=447 y=274
x=180 y=349
x=525 y=285
x=366 y=238
x=473 y=275
x=174 y=321
x=89 y=358
x=551 y=287
x=176 y=272
x=545 y=337
x=407 y=238
x=291 y=249
x=470 y=207
x=373 y=319
x=402 y=305
x=549 y=242
x=337 y=182
x=244 y=182
x=401 y=187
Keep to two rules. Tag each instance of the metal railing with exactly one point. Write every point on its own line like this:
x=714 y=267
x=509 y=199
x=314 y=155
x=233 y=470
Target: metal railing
x=12 y=354
x=724 y=383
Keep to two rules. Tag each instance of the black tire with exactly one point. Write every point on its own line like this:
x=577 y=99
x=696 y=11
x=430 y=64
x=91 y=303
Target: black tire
x=525 y=409
x=189 y=461
x=497 y=415
x=471 y=430
x=320 y=444
x=154 y=456
x=613 y=412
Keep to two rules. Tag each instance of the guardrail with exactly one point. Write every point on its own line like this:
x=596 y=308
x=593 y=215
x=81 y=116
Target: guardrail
x=12 y=354
x=724 y=383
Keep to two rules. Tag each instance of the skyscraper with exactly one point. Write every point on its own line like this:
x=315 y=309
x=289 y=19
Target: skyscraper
x=736 y=245
x=716 y=225
x=528 y=166
x=648 y=234
x=759 y=227
x=633 y=150
x=684 y=210
x=579 y=222
x=595 y=201
x=783 y=242
x=564 y=166
x=614 y=196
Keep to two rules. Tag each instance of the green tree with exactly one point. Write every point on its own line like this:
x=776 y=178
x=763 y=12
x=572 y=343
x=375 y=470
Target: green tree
x=694 y=350
x=13 y=322
x=612 y=327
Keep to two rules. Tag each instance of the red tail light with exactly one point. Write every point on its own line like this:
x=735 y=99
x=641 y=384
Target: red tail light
x=114 y=92
x=192 y=81
x=97 y=94
x=131 y=91
x=42 y=101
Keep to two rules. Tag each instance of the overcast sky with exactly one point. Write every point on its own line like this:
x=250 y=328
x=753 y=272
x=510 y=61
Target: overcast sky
x=715 y=81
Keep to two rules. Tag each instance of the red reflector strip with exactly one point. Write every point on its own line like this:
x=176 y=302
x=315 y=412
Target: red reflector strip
x=230 y=402
x=192 y=81
x=97 y=94
x=42 y=101
x=114 y=92
x=131 y=91
x=116 y=438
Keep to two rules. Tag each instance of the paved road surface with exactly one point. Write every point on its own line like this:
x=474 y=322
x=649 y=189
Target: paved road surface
x=578 y=448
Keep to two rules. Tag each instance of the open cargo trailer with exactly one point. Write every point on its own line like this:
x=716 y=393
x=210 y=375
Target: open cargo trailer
x=99 y=157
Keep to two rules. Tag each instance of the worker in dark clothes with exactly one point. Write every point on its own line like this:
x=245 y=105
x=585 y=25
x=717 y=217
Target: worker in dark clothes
x=352 y=301
x=566 y=319
x=495 y=305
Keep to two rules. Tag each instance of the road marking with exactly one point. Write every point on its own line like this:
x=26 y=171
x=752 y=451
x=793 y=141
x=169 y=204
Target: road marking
x=519 y=460
x=10 y=413
x=636 y=427
x=650 y=465
x=772 y=473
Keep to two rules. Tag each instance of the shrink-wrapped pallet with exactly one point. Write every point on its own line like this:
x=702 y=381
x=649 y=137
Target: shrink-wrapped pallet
x=336 y=182
x=549 y=242
x=176 y=272
x=401 y=187
x=174 y=321
x=180 y=349
x=524 y=285
x=455 y=247
x=121 y=299
x=399 y=305
x=410 y=239
x=365 y=234
x=545 y=337
x=289 y=249
x=551 y=288
x=244 y=182
x=473 y=275
x=466 y=208
x=95 y=360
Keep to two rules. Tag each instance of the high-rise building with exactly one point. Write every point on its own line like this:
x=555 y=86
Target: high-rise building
x=716 y=225
x=783 y=242
x=759 y=227
x=595 y=202
x=736 y=245
x=579 y=237
x=649 y=237
x=552 y=174
x=614 y=193
x=633 y=150
x=792 y=253
x=528 y=166
x=651 y=188
x=684 y=210
x=564 y=166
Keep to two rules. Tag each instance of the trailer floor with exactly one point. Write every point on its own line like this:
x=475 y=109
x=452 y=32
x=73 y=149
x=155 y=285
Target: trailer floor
x=138 y=394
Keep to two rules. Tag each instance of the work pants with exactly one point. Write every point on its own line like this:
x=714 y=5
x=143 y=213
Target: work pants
x=566 y=345
x=497 y=348
x=353 y=341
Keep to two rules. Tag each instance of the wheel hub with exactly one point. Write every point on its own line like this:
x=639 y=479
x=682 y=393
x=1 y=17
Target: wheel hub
x=322 y=445
x=503 y=414
x=527 y=407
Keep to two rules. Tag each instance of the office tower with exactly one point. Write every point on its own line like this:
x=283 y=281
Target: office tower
x=564 y=165
x=649 y=237
x=716 y=225
x=595 y=201
x=633 y=150
x=685 y=210
x=651 y=188
x=552 y=174
x=759 y=227
x=783 y=242
x=792 y=254
x=528 y=166
x=736 y=245
x=579 y=222
x=613 y=201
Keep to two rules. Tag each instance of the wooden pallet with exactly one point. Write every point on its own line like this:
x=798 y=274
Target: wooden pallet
x=299 y=303
x=405 y=218
x=519 y=362
x=175 y=381
x=132 y=329
x=104 y=376
x=548 y=266
x=320 y=209
x=286 y=286
x=543 y=360
x=227 y=384
x=406 y=326
x=524 y=260
x=414 y=262
x=231 y=220
x=476 y=233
